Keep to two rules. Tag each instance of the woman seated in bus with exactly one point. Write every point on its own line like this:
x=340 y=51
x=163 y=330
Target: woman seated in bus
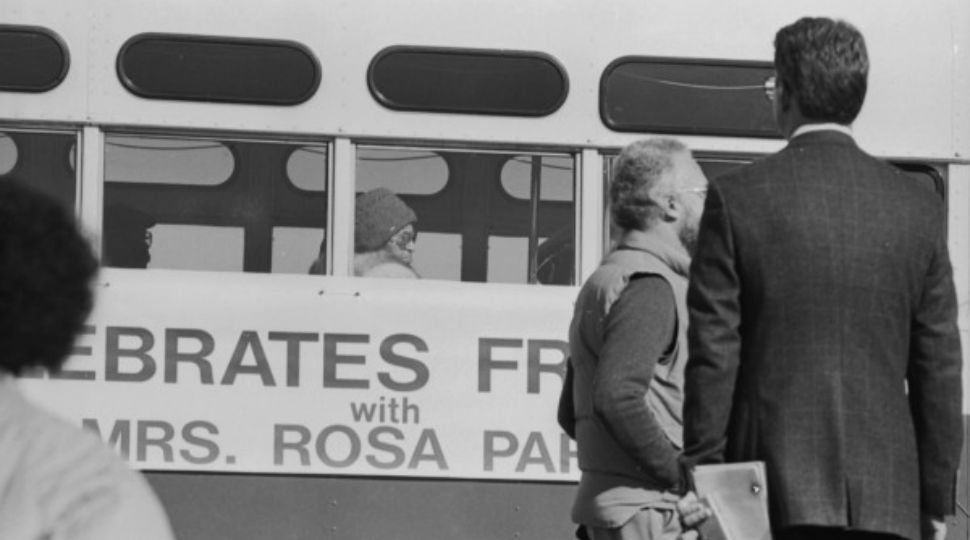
x=384 y=235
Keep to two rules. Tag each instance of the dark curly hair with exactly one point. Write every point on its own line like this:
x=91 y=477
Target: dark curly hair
x=823 y=65
x=636 y=171
x=46 y=269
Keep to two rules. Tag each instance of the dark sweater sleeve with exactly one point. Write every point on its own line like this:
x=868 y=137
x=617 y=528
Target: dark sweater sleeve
x=640 y=327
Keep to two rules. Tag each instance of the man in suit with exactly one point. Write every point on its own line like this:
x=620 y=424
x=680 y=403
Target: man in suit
x=823 y=336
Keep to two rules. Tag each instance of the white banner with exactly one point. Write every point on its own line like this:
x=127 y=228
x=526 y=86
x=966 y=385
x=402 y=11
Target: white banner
x=322 y=375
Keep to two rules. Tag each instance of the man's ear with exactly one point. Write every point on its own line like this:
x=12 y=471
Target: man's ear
x=786 y=98
x=672 y=207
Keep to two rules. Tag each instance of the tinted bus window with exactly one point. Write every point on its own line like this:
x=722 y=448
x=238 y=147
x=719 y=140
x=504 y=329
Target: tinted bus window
x=925 y=175
x=43 y=160
x=704 y=97
x=478 y=216
x=467 y=81
x=32 y=59
x=204 y=68
x=303 y=168
x=207 y=204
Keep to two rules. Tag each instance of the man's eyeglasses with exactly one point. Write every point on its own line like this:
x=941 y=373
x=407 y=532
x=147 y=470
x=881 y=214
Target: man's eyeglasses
x=700 y=191
x=771 y=87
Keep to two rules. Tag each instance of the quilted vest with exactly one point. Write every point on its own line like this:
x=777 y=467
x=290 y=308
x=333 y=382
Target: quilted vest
x=599 y=452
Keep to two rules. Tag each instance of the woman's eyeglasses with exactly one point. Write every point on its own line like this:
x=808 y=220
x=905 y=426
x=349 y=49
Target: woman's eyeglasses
x=403 y=238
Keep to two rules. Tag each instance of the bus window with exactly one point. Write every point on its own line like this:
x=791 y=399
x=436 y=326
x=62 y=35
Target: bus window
x=675 y=95
x=926 y=175
x=480 y=216
x=470 y=81
x=210 y=68
x=218 y=205
x=43 y=160
x=34 y=59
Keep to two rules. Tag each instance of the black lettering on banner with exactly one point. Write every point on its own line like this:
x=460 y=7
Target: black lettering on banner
x=535 y=451
x=428 y=438
x=192 y=436
x=281 y=443
x=492 y=451
x=161 y=435
x=114 y=352
x=293 y=340
x=386 y=411
x=567 y=452
x=78 y=350
x=486 y=363
x=119 y=438
x=383 y=447
x=377 y=443
x=162 y=439
x=504 y=445
x=421 y=373
x=331 y=359
x=174 y=356
x=249 y=341
x=352 y=439
x=535 y=365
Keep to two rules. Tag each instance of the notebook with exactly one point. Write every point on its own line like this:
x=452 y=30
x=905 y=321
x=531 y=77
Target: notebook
x=737 y=494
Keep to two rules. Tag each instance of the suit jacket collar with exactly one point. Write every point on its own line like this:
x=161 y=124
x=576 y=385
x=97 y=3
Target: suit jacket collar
x=820 y=126
x=821 y=137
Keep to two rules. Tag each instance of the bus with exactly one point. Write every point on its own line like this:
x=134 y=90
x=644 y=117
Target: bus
x=230 y=140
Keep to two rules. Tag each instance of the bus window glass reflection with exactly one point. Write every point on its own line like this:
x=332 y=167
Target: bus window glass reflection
x=220 y=205
x=42 y=160
x=8 y=154
x=483 y=216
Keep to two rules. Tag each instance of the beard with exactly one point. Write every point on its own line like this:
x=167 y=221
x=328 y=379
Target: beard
x=688 y=238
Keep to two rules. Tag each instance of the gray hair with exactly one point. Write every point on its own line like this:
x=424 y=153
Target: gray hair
x=636 y=171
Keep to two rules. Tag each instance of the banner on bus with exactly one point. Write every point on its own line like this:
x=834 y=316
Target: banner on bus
x=320 y=375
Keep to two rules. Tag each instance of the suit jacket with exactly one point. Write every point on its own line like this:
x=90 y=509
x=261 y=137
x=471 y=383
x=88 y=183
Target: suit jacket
x=823 y=338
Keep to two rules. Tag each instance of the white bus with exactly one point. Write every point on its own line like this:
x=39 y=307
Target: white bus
x=231 y=138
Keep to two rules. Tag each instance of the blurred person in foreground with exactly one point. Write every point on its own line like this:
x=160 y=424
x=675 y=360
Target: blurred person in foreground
x=623 y=392
x=823 y=319
x=56 y=481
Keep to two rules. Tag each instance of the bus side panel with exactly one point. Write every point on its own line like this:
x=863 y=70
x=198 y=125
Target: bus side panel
x=255 y=507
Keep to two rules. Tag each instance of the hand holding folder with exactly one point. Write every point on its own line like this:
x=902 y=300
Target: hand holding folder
x=737 y=495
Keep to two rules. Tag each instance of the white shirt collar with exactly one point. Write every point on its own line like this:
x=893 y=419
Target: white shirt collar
x=824 y=126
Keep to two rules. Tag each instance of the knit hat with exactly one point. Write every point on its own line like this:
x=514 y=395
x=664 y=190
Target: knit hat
x=380 y=214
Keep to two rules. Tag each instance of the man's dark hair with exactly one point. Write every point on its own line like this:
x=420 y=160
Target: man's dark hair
x=823 y=65
x=46 y=268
